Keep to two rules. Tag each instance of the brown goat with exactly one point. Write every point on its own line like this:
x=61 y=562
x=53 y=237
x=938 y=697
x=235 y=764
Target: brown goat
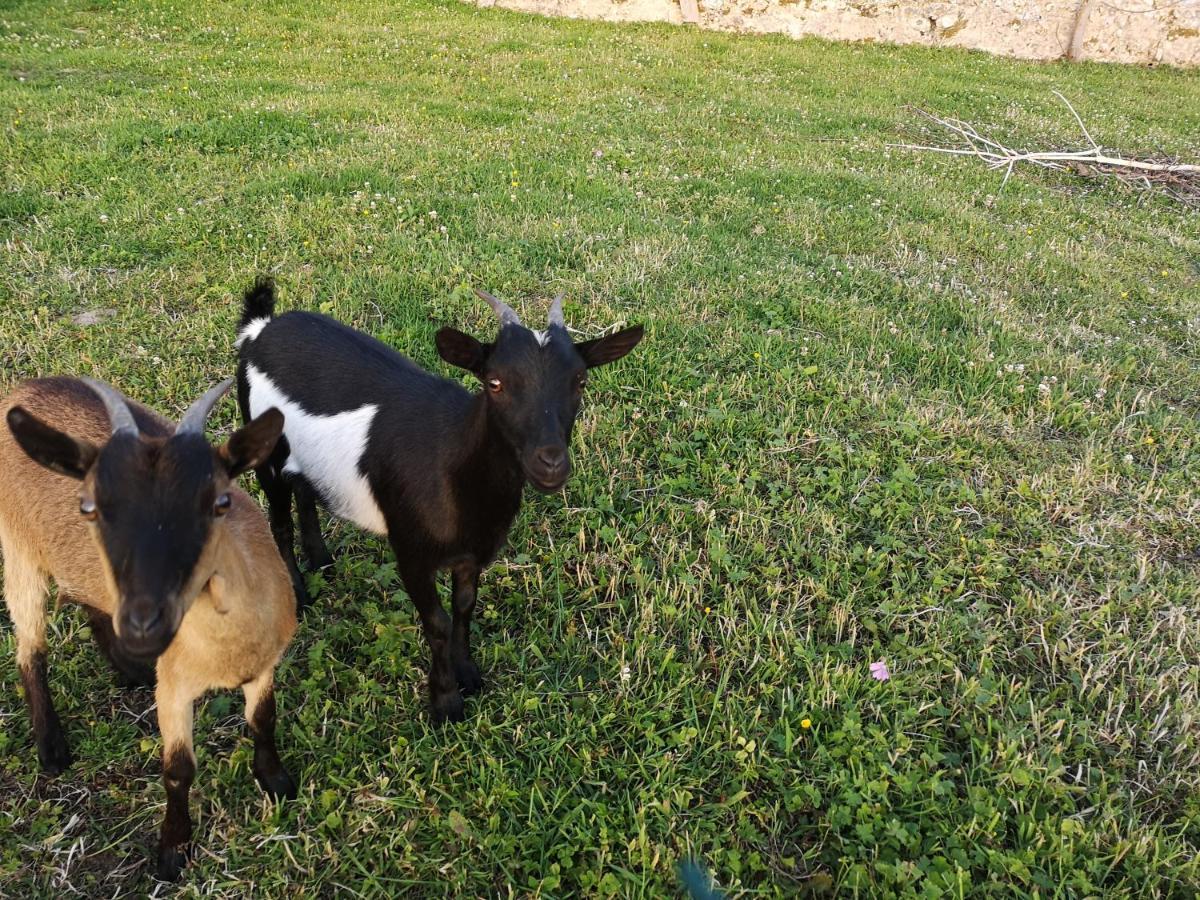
x=176 y=565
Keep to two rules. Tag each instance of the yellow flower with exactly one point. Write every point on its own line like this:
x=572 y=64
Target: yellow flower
x=707 y=609
x=806 y=723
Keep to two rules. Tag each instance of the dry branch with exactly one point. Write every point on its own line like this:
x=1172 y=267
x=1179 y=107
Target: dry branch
x=1179 y=180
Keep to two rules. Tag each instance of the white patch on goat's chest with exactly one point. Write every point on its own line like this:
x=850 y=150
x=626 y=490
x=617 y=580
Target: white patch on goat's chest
x=251 y=331
x=326 y=450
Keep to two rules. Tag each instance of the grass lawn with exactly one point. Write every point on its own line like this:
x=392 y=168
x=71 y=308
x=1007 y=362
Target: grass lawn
x=883 y=411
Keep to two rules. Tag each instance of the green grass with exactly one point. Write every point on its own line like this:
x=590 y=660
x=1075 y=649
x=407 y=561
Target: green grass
x=883 y=410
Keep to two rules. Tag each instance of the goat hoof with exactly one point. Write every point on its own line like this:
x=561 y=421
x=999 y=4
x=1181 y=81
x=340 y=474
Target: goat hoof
x=448 y=707
x=54 y=754
x=303 y=600
x=171 y=861
x=470 y=679
x=277 y=785
x=320 y=561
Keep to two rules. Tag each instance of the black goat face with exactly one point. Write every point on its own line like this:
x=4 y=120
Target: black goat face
x=152 y=505
x=534 y=382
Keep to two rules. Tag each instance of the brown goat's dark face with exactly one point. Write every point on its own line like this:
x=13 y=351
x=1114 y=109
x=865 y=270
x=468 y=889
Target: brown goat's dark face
x=153 y=505
x=534 y=381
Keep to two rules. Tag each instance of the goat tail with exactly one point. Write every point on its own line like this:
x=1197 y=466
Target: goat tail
x=259 y=301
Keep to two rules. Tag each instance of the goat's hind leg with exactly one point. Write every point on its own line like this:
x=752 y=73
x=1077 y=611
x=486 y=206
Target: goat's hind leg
x=131 y=672
x=260 y=714
x=310 y=525
x=25 y=595
x=279 y=512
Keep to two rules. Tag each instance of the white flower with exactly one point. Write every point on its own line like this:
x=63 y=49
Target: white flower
x=625 y=673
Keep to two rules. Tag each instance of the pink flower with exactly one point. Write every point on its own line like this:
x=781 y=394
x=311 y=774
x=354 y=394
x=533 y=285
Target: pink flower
x=879 y=671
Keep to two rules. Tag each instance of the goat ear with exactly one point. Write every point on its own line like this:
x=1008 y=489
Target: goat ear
x=461 y=350
x=50 y=447
x=251 y=444
x=602 y=351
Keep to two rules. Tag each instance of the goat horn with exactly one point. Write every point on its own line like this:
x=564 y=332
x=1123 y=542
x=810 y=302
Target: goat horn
x=556 y=314
x=193 y=420
x=118 y=412
x=506 y=313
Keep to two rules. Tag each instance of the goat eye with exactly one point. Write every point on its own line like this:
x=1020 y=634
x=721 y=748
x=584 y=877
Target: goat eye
x=494 y=385
x=222 y=505
x=87 y=509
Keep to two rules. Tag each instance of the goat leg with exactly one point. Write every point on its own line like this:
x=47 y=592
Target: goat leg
x=279 y=511
x=445 y=700
x=131 y=672
x=465 y=591
x=310 y=525
x=25 y=596
x=179 y=768
x=54 y=753
x=272 y=777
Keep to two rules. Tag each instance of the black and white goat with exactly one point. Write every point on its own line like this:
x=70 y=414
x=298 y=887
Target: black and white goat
x=381 y=442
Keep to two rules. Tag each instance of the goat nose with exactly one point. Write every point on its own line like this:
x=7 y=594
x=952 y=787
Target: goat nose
x=143 y=622
x=551 y=457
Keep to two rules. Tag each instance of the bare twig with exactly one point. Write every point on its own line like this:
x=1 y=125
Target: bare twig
x=1087 y=134
x=1180 y=181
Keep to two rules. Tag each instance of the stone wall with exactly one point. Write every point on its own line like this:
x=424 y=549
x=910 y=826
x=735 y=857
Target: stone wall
x=1132 y=31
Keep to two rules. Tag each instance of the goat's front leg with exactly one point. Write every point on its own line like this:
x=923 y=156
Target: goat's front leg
x=260 y=714
x=25 y=596
x=445 y=701
x=179 y=768
x=465 y=591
